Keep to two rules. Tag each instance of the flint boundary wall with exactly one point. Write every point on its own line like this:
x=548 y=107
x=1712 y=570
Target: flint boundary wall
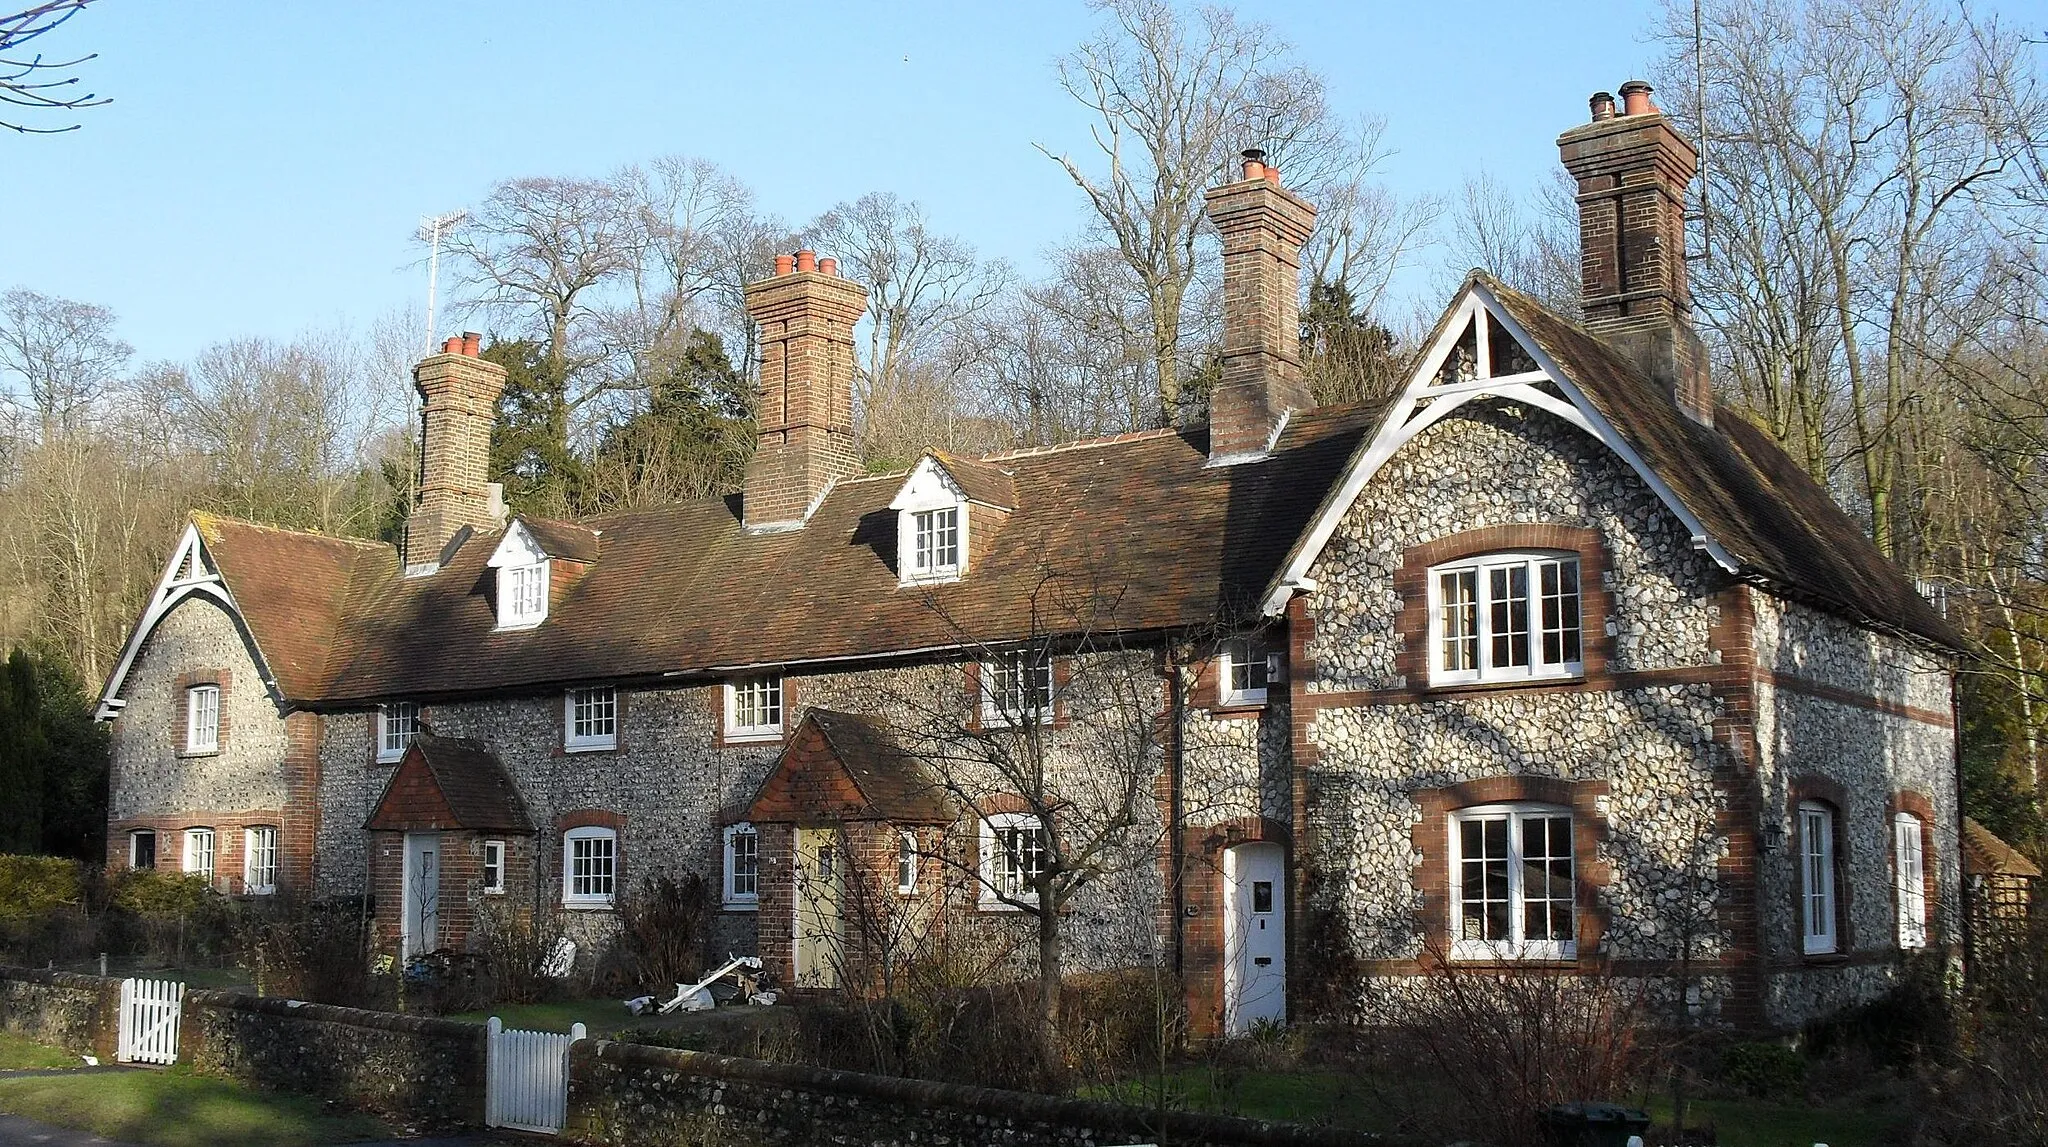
x=620 y=1094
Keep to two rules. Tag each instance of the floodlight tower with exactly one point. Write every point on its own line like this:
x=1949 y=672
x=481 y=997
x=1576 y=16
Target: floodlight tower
x=432 y=227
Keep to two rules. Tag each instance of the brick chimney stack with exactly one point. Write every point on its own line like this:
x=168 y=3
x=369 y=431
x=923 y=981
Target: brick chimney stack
x=1633 y=168
x=459 y=394
x=806 y=312
x=1263 y=227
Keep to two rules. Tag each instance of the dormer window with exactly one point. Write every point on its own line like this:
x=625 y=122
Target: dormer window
x=523 y=574
x=945 y=508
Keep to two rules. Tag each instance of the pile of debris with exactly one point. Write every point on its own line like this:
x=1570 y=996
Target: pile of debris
x=738 y=981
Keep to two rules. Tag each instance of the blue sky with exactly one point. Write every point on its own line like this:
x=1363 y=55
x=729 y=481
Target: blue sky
x=263 y=165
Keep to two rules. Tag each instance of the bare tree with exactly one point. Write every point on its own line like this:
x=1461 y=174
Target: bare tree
x=1175 y=98
x=64 y=353
x=923 y=289
x=1529 y=243
x=32 y=82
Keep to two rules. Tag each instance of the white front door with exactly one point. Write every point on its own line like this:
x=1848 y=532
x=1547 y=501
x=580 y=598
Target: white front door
x=422 y=908
x=820 y=891
x=1254 y=936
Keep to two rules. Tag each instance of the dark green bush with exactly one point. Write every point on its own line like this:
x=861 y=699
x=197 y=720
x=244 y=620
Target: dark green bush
x=1764 y=1070
x=32 y=887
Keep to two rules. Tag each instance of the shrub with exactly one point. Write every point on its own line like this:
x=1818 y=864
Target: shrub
x=1512 y=1041
x=514 y=947
x=181 y=918
x=32 y=887
x=662 y=932
x=318 y=951
x=1763 y=1070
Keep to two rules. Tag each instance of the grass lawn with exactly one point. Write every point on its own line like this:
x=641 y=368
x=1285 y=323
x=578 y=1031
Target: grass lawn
x=17 y=1054
x=1760 y=1123
x=178 y=1109
x=597 y=1016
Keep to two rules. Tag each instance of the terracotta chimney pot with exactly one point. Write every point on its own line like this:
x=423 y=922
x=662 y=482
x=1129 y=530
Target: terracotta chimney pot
x=1273 y=176
x=806 y=261
x=1254 y=163
x=828 y=267
x=1635 y=98
x=451 y=345
x=1603 y=106
x=472 y=343
x=784 y=264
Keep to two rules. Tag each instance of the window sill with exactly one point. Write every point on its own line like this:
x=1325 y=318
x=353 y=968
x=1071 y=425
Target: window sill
x=1496 y=956
x=186 y=753
x=1553 y=679
x=384 y=760
x=1823 y=959
x=588 y=906
x=754 y=737
x=742 y=906
x=1238 y=708
x=944 y=577
x=494 y=892
x=590 y=747
x=999 y=906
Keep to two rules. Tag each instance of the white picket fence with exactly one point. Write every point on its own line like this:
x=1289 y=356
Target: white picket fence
x=149 y=1021
x=526 y=1078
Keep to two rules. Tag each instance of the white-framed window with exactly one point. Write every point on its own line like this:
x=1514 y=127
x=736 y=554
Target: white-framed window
x=259 y=860
x=1245 y=669
x=753 y=709
x=1014 y=853
x=142 y=848
x=494 y=867
x=935 y=543
x=590 y=719
x=1817 y=878
x=523 y=595
x=397 y=724
x=1512 y=883
x=742 y=867
x=202 y=719
x=1505 y=617
x=1016 y=689
x=1909 y=866
x=906 y=863
x=590 y=867
x=199 y=852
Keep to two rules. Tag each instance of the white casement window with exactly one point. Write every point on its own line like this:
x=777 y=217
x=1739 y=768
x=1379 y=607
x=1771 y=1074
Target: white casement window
x=494 y=867
x=1016 y=689
x=906 y=863
x=142 y=849
x=742 y=867
x=935 y=543
x=1512 y=883
x=1014 y=853
x=202 y=719
x=1245 y=669
x=1505 y=617
x=1817 y=878
x=199 y=852
x=753 y=709
x=259 y=861
x=590 y=719
x=397 y=724
x=590 y=867
x=1909 y=866
x=523 y=596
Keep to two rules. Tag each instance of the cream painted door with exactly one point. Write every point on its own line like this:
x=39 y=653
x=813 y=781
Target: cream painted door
x=1254 y=936
x=820 y=935
x=422 y=907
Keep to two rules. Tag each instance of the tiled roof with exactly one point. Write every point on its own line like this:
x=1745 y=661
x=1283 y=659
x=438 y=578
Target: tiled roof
x=1986 y=855
x=983 y=482
x=559 y=539
x=293 y=589
x=1137 y=529
x=893 y=782
x=1751 y=497
x=474 y=790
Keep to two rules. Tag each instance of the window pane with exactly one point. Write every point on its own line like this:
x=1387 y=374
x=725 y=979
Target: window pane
x=1508 y=598
x=745 y=863
x=1560 y=611
x=1458 y=620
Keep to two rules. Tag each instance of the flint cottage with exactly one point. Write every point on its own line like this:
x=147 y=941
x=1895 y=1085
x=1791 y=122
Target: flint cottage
x=1546 y=659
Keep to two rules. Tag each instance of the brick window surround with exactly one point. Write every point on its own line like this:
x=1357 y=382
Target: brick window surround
x=1411 y=584
x=1431 y=837
x=590 y=818
x=1835 y=796
x=1918 y=806
x=181 y=692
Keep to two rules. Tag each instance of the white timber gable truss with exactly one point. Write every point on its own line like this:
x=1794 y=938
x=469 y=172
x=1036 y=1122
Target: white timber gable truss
x=1433 y=393
x=190 y=573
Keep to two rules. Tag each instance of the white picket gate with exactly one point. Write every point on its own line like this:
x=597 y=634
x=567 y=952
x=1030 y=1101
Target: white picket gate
x=149 y=1021
x=526 y=1078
